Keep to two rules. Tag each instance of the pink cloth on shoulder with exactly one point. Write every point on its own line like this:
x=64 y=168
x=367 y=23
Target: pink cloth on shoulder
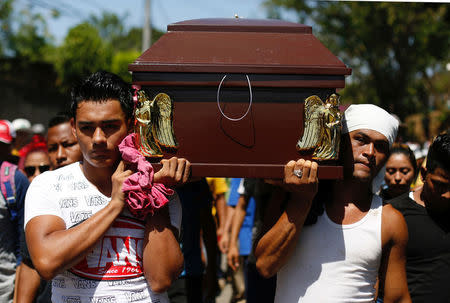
x=141 y=194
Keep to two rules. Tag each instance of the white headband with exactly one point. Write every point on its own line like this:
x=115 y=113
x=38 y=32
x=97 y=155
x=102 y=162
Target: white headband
x=369 y=116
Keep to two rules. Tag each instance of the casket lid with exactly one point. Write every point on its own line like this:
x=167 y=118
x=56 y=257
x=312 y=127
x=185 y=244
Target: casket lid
x=237 y=45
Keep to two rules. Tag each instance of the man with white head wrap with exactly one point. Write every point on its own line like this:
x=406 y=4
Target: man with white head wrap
x=369 y=116
x=355 y=240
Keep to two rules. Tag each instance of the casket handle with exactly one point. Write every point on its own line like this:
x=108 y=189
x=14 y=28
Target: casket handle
x=249 y=104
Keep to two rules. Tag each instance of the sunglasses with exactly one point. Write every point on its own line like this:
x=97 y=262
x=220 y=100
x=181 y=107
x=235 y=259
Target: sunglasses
x=30 y=170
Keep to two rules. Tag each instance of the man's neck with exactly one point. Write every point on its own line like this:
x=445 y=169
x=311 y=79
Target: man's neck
x=99 y=177
x=350 y=201
x=417 y=195
x=352 y=191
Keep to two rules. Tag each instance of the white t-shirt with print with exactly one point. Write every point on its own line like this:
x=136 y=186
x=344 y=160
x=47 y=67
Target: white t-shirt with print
x=112 y=272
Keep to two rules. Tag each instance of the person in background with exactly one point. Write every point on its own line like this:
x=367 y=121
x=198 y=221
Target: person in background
x=224 y=239
x=34 y=161
x=401 y=169
x=38 y=129
x=259 y=289
x=34 y=158
x=219 y=189
x=241 y=231
x=7 y=140
x=14 y=186
x=22 y=128
x=63 y=148
x=196 y=283
x=427 y=213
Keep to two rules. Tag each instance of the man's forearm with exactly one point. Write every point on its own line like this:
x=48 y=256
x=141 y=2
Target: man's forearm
x=221 y=206
x=163 y=260
x=54 y=248
x=28 y=282
x=229 y=219
x=275 y=247
x=238 y=219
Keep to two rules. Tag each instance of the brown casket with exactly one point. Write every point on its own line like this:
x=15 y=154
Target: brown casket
x=212 y=68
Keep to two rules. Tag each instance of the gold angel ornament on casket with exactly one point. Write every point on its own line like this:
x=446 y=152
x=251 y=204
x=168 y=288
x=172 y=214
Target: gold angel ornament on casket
x=322 y=128
x=154 y=124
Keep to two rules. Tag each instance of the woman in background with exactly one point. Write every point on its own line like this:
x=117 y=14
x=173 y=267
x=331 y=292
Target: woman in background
x=401 y=169
x=34 y=158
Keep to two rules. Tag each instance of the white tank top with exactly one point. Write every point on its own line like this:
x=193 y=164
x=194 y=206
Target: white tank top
x=334 y=262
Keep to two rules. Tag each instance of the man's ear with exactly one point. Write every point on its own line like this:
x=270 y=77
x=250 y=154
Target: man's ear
x=72 y=124
x=423 y=173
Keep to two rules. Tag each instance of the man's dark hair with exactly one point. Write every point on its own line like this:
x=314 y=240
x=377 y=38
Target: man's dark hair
x=59 y=118
x=100 y=87
x=439 y=153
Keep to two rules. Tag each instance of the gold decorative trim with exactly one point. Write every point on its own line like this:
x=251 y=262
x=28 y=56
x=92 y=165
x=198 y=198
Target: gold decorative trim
x=154 y=124
x=322 y=128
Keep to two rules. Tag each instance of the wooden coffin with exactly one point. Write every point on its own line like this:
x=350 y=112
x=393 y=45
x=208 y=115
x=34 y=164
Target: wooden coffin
x=213 y=68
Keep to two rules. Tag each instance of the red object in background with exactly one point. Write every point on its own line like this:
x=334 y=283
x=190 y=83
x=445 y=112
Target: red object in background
x=37 y=143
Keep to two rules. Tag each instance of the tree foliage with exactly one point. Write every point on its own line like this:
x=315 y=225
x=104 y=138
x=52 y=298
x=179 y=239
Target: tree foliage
x=24 y=34
x=82 y=52
x=120 y=61
x=5 y=24
x=133 y=39
x=110 y=26
x=99 y=42
x=394 y=49
x=125 y=46
x=32 y=40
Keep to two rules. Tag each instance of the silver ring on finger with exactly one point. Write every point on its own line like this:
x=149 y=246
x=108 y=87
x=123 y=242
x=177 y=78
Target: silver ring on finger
x=298 y=173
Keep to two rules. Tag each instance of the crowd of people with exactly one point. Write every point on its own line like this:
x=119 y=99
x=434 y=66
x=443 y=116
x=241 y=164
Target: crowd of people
x=381 y=233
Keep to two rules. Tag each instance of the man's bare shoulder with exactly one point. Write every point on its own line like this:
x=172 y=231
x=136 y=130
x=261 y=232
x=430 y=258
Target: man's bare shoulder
x=390 y=212
x=393 y=225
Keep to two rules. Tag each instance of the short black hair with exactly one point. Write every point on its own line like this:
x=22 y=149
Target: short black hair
x=439 y=153
x=59 y=118
x=100 y=87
